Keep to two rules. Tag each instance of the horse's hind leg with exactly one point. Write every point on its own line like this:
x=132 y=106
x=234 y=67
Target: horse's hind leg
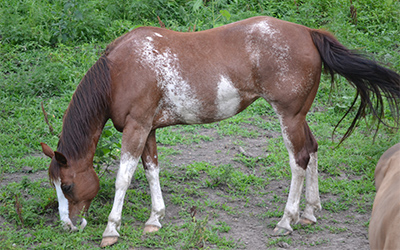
x=313 y=202
x=302 y=148
x=150 y=163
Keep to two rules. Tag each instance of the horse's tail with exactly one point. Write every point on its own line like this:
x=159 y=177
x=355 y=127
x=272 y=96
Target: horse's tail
x=372 y=81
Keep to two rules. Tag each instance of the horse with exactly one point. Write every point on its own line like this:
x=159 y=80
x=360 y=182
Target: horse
x=152 y=77
x=385 y=218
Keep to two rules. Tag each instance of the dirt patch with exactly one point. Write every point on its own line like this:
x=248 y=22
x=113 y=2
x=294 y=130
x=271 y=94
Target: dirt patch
x=341 y=230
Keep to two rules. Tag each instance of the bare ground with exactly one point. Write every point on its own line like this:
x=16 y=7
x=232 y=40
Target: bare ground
x=254 y=232
x=341 y=230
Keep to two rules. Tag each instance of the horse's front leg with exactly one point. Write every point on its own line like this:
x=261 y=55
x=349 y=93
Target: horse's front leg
x=150 y=163
x=133 y=142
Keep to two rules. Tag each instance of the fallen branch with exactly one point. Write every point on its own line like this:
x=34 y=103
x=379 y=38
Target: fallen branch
x=241 y=150
x=162 y=25
x=46 y=119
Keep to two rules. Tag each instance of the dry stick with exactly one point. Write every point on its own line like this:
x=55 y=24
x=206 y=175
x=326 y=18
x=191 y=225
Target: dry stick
x=241 y=150
x=47 y=120
x=18 y=208
x=162 y=25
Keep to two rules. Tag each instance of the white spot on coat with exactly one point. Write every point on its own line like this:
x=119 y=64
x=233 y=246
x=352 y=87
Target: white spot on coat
x=179 y=95
x=228 y=98
x=270 y=40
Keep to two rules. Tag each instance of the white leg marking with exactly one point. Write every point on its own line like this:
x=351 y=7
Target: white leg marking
x=124 y=176
x=312 y=191
x=228 y=98
x=63 y=207
x=157 y=202
x=291 y=214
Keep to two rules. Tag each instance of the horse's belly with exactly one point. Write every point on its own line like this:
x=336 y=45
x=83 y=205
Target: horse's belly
x=183 y=103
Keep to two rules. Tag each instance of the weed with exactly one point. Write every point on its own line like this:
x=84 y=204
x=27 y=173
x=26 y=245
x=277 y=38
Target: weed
x=336 y=230
x=278 y=242
x=220 y=175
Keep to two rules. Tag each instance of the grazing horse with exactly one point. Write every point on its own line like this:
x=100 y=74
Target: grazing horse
x=384 y=225
x=152 y=78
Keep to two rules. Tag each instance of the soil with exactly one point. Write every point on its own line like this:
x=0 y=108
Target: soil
x=247 y=228
x=255 y=233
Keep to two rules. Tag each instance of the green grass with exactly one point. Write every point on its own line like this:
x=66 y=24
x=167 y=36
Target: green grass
x=47 y=46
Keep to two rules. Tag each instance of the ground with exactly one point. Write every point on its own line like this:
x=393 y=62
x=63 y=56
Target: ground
x=248 y=216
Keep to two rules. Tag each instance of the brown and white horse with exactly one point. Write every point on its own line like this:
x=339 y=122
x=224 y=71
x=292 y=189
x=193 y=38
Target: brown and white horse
x=384 y=225
x=152 y=78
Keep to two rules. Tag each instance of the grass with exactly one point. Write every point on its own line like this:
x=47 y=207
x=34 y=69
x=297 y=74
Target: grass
x=46 y=48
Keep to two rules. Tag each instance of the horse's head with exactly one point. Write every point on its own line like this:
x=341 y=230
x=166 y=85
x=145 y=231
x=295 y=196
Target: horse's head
x=76 y=184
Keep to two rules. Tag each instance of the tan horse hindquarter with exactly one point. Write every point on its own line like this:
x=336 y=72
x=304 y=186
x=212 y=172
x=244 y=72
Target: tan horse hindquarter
x=384 y=226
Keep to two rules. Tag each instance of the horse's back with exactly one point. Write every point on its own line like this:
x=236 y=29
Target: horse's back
x=207 y=76
x=384 y=230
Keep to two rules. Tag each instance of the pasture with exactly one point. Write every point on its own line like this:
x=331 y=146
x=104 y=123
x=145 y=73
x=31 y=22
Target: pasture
x=225 y=184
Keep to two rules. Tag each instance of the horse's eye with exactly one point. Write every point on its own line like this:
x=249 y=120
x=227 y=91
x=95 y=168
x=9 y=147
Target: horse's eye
x=67 y=188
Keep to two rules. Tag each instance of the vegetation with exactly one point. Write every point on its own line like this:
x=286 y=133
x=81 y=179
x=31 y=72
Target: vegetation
x=47 y=46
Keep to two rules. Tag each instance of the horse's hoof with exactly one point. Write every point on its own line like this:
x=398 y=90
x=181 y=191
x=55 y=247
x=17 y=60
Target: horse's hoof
x=108 y=241
x=280 y=231
x=306 y=222
x=150 y=229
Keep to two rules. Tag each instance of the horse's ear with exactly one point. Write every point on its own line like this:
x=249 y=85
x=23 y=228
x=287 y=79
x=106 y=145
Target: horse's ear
x=47 y=150
x=61 y=159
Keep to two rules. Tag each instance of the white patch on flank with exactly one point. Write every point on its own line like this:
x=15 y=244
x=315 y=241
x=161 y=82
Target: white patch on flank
x=158 y=35
x=126 y=170
x=228 y=98
x=157 y=202
x=280 y=49
x=178 y=93
x=63 y=207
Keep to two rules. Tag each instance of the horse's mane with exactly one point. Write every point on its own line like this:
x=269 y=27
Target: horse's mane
x=88 y=109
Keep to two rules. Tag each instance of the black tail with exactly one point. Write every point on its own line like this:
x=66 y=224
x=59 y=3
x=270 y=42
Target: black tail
x=372 y=81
